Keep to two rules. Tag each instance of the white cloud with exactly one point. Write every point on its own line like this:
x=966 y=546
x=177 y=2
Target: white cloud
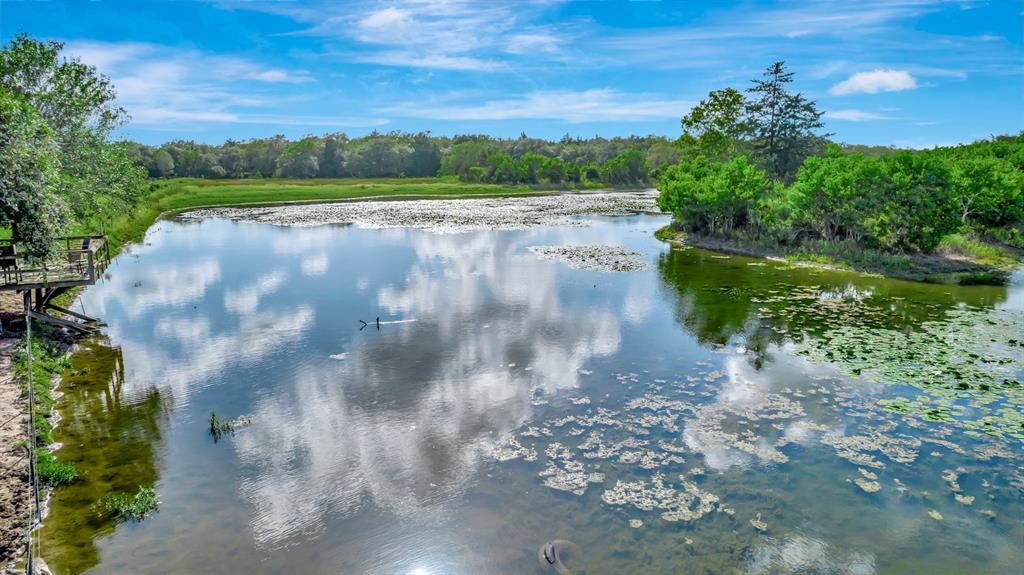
x=852 y=115
x=880 y=80
x=599 y=105
x=162 y=85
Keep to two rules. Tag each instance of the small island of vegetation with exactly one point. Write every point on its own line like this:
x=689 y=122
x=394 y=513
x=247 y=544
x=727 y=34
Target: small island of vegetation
x=757 y=179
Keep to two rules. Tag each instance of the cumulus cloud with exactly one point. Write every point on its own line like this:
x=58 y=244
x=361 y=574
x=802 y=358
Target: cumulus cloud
x=875 y=81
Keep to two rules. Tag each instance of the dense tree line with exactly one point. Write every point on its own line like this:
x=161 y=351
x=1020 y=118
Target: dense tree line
x=58 y=166
x=756 y=168
x=471 y=158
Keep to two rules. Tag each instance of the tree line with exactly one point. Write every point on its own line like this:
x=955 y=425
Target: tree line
x=755 y=166
x=470 y=158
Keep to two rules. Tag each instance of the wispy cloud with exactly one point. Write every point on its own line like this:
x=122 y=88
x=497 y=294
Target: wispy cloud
x=600 y=105
x=852 y=115
x=874 y=82
x=163 y=84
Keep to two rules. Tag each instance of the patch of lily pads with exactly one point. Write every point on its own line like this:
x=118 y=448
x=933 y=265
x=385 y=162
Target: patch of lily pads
x=965 y=367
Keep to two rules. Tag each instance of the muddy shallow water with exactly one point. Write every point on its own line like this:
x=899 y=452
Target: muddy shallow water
x=702 y=414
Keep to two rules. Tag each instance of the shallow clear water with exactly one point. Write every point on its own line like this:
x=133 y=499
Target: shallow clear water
x=504 y=398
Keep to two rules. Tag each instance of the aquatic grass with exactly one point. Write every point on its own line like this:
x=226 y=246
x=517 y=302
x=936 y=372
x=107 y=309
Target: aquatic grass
x=128 y=507
x=54 y=472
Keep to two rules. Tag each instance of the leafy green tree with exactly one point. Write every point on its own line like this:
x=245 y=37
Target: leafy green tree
x=464 y=155
x=501 y=169
x=917 y=206
x=332 y=156
x=832 y=195
x=629 y=167
x=77 y=104
x=660 y=155
x=424 y=157
x=300 y=159
x=712 y=197
x=717 y=126
x=164 y=163
x=988 y=190
x=529 y=167
x=553 y=170
x=783 y=123
x=29 y=170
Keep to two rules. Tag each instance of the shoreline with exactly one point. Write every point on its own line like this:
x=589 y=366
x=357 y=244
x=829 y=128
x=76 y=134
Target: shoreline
x=924 y=268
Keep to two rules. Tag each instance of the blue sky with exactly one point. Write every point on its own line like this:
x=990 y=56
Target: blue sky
x=908 y=73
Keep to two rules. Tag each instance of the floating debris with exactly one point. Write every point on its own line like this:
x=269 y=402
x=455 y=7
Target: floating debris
x=935 y=515
x=636 y=523
x=758 y=524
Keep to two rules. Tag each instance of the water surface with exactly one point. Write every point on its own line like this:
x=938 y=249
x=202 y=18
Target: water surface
x=741 y=412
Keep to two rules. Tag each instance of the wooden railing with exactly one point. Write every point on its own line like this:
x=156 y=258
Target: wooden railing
x=77 y=260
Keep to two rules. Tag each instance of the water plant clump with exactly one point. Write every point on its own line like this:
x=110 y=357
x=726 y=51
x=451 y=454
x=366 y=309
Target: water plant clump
x=129 y=507
x=220 y=427
x=594 y=258
x=54 y=472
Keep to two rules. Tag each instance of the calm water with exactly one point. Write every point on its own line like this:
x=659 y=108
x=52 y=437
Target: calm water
x=742 y=411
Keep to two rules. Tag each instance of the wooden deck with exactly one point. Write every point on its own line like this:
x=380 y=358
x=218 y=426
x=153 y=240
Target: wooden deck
x=78 y=260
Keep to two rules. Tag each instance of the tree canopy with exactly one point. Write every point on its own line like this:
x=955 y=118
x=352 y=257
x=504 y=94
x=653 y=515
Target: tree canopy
x=86 y=173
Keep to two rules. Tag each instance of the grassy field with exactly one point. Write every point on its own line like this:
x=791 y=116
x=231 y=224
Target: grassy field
x=173 y=196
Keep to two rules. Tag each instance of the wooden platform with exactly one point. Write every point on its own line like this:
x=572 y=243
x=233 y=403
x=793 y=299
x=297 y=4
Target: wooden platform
x=77 y=261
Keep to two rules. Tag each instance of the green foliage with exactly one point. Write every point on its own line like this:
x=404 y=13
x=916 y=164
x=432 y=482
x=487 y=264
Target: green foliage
x=896 y=202
x=628 y=168
x=712 y=197
x=299 y=159
x=54 y=472
x=29 y=172
x=71 y=167
x=782 y=123
x=131 y=507
x=716 y=126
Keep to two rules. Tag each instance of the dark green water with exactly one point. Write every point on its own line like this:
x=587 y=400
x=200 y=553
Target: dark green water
x=730 y=405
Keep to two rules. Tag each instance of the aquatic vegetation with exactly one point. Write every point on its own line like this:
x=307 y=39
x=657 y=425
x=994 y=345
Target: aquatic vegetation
x=966 y=365
x=594 y=258
x=129 y=507
x=683 y=503
x=447 y=216
x=54 y=472
x=220 y=427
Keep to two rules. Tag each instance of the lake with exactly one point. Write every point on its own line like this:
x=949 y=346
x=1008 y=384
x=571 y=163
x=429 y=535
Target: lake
x=701 y=414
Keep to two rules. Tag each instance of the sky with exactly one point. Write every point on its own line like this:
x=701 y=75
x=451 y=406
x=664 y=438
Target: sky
x=909 y=73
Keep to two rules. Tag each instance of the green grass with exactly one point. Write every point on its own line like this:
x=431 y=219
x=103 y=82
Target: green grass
x=48 y=361
x=131 y=507
x=970 y=247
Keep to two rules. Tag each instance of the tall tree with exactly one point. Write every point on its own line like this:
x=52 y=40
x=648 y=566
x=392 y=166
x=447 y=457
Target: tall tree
x=716 y=127
x=29 y=170
x=77 y=104
x=783 y=123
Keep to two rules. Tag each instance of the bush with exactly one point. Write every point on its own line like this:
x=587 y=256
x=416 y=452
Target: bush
x=712 y=197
